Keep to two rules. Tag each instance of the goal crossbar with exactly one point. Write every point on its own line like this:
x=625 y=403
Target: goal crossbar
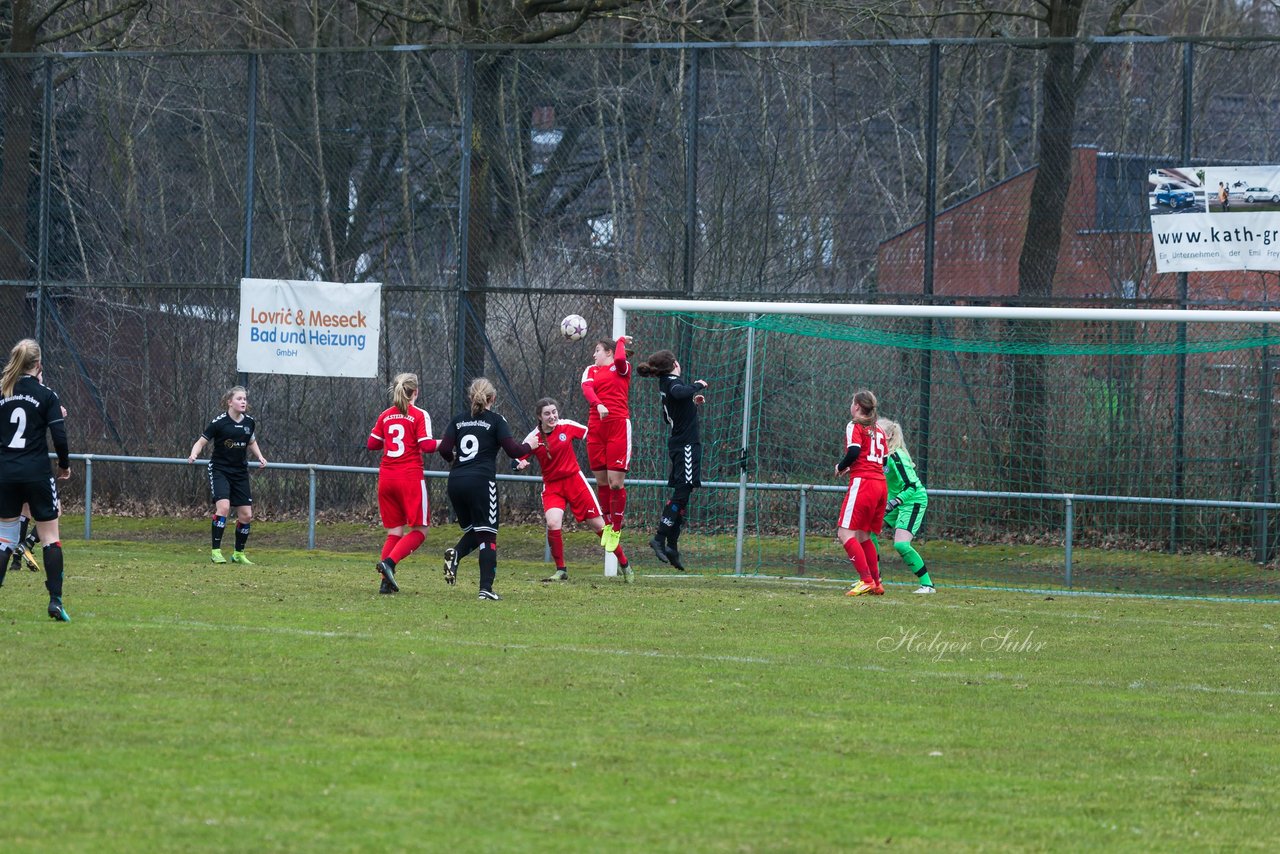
x=1135 y=315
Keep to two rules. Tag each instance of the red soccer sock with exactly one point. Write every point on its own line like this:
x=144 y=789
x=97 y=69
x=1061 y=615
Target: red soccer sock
x=853 y=549
x=390 y=544
x=555 y=538
x=622 y=558
x=618 y=504
x=603 y=495
x=407 y=544
x=873 y=559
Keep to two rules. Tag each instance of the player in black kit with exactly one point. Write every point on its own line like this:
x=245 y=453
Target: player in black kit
x=27 y=411
x=680 y=402
x=471 y=443
x=233 y=436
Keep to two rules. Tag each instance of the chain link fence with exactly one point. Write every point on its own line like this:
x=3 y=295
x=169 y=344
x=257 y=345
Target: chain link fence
x=493 y=191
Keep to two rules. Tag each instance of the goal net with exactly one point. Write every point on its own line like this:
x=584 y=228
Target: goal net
x=1099 y=448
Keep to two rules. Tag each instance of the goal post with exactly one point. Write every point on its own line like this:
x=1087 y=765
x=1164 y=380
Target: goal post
x=988 y=376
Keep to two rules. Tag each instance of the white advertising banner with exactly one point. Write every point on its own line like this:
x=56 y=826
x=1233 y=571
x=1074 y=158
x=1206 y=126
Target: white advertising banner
x=319 y=329
x=1215 y=218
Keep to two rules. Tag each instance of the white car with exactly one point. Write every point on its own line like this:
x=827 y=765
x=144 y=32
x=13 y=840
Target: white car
x=1260 y=194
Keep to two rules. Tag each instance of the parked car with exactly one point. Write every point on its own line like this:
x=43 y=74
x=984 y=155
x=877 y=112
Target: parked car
x=1260 y=194
x=1174 y=196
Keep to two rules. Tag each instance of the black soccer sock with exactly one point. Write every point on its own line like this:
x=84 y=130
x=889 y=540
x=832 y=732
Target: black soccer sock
x=242 y=536
x=667 y=522
x=674 y=537
x=23 y=525
x=219 y=525
x=678 y=507
x=488 y=563
x=4 y=565
x=469 y=543
x=53 y=569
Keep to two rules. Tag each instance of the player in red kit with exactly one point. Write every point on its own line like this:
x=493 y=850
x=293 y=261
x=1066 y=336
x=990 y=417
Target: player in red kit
x=403 y=434
x=607 y=387
x=564 y=487
x=862 y=512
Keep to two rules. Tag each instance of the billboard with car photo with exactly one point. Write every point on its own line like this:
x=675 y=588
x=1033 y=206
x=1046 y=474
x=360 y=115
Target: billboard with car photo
x=1215 y=218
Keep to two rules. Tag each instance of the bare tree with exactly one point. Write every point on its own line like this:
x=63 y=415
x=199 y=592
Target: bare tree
x=27 y=27
x=503 y=199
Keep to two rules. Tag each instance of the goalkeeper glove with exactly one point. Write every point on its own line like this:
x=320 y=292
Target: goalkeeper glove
x=893 y=505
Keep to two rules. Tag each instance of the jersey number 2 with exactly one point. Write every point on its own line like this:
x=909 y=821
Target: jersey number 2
x=19 y=417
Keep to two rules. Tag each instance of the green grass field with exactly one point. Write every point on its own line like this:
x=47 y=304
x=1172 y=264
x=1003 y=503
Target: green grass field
x=287 y=706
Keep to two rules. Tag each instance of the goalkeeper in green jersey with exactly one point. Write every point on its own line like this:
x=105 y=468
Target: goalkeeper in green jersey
x=907 y=502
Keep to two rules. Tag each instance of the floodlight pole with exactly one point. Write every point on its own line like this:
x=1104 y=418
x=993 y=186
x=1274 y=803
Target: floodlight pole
x=251 y=151
x=1180 y=362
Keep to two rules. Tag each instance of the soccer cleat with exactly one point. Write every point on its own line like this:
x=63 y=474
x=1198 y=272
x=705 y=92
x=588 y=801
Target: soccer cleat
x=628 y=574
x=22 y=557
x=659 y=548
x=57 y=612
x=239 y=557
x=862 y=588
x=925 y=588
x=878 y=589
x=558 y=575
x=384 y=587
x=489 y=595
x=388 y=573
x=217 y=556
x=673 y=558
x=610 y=538
x=450 y=566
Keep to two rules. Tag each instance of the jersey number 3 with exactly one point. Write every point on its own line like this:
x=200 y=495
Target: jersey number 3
x=395 y=440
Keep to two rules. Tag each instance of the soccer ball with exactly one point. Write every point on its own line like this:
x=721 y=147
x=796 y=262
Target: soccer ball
x=573 y=327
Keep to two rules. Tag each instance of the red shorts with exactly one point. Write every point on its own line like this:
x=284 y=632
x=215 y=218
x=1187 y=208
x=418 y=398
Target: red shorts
x=403 y=501
x=609 y=445
x=863 y=506
x=571 y=492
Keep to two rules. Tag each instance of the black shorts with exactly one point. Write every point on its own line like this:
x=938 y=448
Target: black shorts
x=224 y=485
x=475 y=503
x=686 y=465
x=42 y=495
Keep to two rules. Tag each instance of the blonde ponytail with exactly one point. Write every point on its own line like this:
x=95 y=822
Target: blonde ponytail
x=481 y=394
x=23 y=359
x=402 y=389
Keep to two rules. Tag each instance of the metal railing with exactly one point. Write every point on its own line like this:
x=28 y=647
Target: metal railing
x=802 y=490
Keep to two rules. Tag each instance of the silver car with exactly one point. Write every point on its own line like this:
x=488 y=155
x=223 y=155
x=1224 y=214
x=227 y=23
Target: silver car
x=1260 y=194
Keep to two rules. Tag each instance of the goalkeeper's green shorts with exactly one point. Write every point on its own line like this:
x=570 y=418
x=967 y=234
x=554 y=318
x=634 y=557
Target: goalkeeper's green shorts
x=909 y=516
